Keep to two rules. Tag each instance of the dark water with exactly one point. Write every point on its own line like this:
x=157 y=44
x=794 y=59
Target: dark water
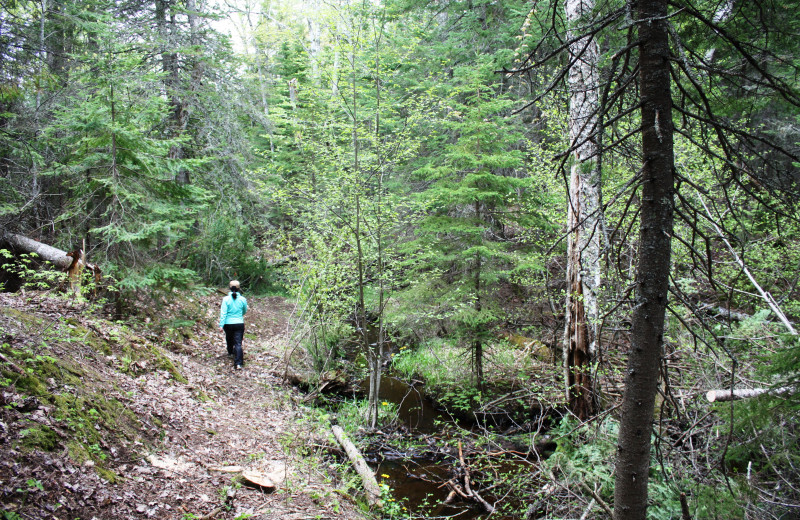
x=417 y=485
x=417 y=482
x=416 y=412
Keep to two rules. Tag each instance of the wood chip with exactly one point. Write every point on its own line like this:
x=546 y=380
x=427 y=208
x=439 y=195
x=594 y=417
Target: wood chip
x=258 y=479
x=226 y=469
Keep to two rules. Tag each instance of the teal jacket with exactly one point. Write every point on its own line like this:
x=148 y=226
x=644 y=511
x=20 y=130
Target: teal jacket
x=232 y=311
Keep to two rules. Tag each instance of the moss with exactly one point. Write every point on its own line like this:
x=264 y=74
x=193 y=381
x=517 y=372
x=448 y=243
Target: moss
x=164 y=363
x=90 y=417
x=31 y=385
x=138 y=356
x=23 y=317
x=77 y=452
x=106 y=473
x=39 y=437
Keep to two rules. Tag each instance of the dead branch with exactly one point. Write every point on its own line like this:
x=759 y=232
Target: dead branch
x=474 y=494
x=360 y=465
x=773 y=305
x=597 y=498
x=743 y=393
x=11 y=364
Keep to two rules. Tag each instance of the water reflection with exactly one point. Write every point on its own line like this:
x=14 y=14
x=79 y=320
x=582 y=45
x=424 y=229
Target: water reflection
x=416 y=412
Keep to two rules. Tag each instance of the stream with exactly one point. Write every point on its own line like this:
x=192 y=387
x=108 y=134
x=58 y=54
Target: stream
x=417 y=476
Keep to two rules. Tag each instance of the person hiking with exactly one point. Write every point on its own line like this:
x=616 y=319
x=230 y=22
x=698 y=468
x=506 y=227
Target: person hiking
x=231 y=320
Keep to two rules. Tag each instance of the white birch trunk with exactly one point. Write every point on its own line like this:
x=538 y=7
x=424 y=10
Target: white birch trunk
x=361 y=467
x=719 y=396
x=46 y=252
x=314 y=40
x=584 y=219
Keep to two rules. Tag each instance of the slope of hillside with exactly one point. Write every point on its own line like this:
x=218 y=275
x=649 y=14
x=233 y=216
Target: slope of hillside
x=104 y=419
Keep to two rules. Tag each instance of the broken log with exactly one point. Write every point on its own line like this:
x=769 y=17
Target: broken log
x=468 y=488
x=73 y=262
x=360 y=465
x=23 y=244
x=742 y=393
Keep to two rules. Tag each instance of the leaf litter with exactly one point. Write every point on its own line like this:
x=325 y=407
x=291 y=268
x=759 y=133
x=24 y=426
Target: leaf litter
x=135 y=440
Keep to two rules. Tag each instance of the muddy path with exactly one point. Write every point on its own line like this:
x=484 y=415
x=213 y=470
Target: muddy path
x=193 y=435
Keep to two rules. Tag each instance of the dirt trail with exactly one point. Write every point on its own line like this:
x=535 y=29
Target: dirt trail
x=220 y=418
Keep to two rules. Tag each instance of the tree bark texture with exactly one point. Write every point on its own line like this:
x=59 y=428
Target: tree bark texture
x=719 y=396
x=584 y=216
x=478 y=345
x=51 y=254
x=652 y=275
x=166 y=20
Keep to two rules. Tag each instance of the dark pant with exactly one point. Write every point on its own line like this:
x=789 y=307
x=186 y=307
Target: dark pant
x=234 y=332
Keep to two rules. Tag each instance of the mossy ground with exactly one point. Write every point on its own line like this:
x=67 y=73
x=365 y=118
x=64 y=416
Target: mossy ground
x=98 y=420
x=56 y=401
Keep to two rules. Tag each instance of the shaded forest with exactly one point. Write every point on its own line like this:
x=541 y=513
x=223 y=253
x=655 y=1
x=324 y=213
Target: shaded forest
x=576 y=222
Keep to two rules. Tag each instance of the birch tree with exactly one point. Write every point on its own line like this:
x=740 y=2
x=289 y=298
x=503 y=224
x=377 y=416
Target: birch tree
x=584 y=218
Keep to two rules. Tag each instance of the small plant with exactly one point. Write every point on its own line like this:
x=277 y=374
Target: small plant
x=391 y=507
x=34 y=483
x=97 y=451
x=34 y=277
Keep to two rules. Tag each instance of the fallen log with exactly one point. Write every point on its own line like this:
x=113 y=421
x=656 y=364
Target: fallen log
x=72 y=262
x=55 y=256
x=360 y=465
x=742 y=393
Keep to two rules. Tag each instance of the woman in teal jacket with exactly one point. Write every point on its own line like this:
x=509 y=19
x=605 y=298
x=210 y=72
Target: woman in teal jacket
x=231 y=320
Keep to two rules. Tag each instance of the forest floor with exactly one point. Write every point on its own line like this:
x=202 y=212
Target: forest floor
x=103 y=419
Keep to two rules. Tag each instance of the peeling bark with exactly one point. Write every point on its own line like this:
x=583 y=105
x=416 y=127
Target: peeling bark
x=584 y=218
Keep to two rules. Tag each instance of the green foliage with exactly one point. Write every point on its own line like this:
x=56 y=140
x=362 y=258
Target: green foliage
x=764 y=429
x=119 y=175
x=39 y=437
x=351 y=414
x=226 y=248
x=30 y=270
x=585 y=456
x=392 y=507
x=446 y=376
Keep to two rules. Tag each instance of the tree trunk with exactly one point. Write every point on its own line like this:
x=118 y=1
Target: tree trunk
x=55 y=256
x=169 y=33
x=652 y=276
x=478 y=345
x=584 y=217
